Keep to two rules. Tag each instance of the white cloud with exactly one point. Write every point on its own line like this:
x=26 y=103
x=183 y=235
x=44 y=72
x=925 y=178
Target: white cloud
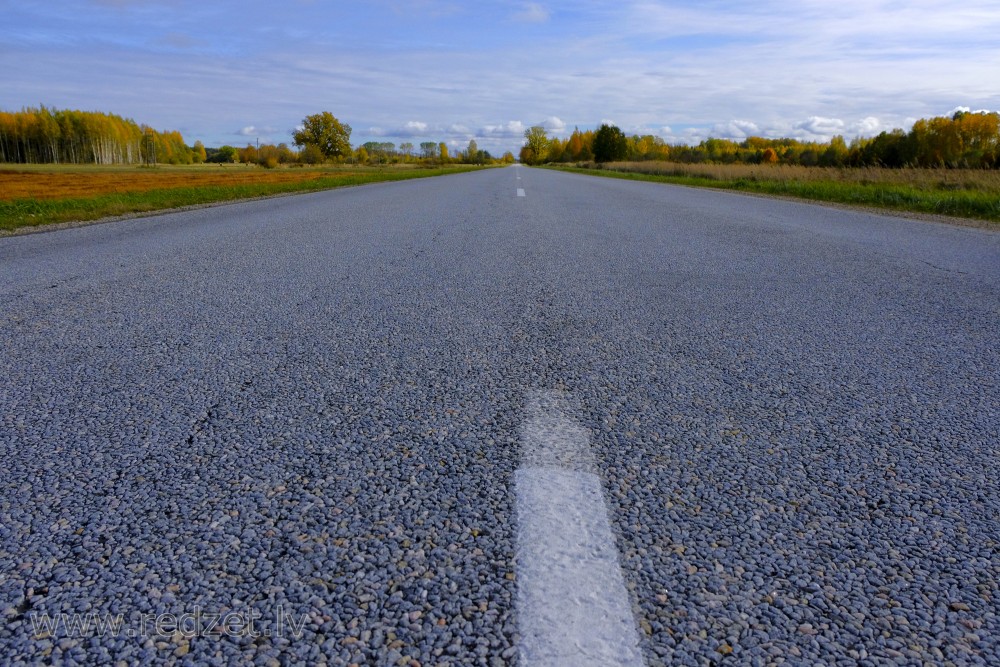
x=409 y=129
x=553 y=124
x=735 y=129
x=513 y=129
x=867 y=127
x=820 y=126
x=690 y=136
x=532 y=12
x=254 y=131
x=967 y=110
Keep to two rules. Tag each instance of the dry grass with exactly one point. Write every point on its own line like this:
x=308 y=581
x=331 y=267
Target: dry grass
x=985 y=180
x=54 y=182
x=964 y=193
x=41 y=195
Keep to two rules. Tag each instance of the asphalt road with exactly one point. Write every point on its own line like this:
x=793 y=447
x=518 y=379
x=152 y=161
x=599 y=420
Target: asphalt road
x=323 y=414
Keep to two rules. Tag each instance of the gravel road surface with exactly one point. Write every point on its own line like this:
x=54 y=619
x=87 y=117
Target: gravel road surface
x=303 y=419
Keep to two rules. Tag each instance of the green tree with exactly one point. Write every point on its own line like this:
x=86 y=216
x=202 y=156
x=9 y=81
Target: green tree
x=443 y=150
x=380 y=151
x=472 y=154
x=428 y=149
x=227 y=154
x=835 y=154
x=324 y=131
x=198 y=152
x=537 y=143
x=311 y=155
x=610 y=144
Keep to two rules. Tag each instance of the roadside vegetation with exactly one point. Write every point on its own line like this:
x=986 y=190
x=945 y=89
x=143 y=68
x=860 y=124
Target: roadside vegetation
x=51 y=136
x=39 y=195
x=966 y=193
x=962 y=141
x=61 y=165
x=946 y=165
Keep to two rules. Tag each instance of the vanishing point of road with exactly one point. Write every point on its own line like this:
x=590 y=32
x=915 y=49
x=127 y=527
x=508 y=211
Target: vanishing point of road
x=505 y=417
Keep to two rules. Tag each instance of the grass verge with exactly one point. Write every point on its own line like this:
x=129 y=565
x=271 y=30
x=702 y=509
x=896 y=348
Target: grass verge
x=36 y=211
x=924 y=195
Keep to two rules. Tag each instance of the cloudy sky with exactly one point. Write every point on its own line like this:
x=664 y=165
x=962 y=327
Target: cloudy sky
x=233 y=71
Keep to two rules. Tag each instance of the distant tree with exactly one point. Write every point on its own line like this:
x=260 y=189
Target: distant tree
x=248 y=155
x=443 y=150
x=508 y=158
x=575 y=144
x=311 y=155
x=769 y=156
x=380 y=151
x=429 y=149
x=406 y=148
x=324 y=131
x=270 y=156
x=889 y=149
x=285 y=154
x=835 y=154
x=648 y=147
x=555 y=150
x=198 y=152
x=472 y=152
x=225 y=155
x=537 y=145
x=610 y=144
x=51 y=135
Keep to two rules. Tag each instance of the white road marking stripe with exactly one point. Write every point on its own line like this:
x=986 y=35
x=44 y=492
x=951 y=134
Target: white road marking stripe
x=573 y=608
x=520 y=192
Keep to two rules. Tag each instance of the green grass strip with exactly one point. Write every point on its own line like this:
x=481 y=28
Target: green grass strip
x=34 y=212
x=958 y=203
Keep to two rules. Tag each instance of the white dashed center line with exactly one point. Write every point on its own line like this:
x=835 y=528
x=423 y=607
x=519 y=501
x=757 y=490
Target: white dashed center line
x=520 y=192
x=573 y=608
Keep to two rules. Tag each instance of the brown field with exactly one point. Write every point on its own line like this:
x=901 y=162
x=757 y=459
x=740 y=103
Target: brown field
x=987 y=180
x=59 y=182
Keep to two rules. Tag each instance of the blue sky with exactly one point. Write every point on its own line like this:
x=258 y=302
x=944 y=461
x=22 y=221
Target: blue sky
x=226 y=71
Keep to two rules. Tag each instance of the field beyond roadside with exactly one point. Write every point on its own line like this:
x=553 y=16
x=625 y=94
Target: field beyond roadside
x=39 y=195
x=965 y=193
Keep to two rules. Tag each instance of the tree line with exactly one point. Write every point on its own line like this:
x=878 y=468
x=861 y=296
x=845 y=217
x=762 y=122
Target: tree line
x=369 y=153
x=49 y=136
x=46 y=135
x=963 y=140
x=43 y=135
x=325 y=136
